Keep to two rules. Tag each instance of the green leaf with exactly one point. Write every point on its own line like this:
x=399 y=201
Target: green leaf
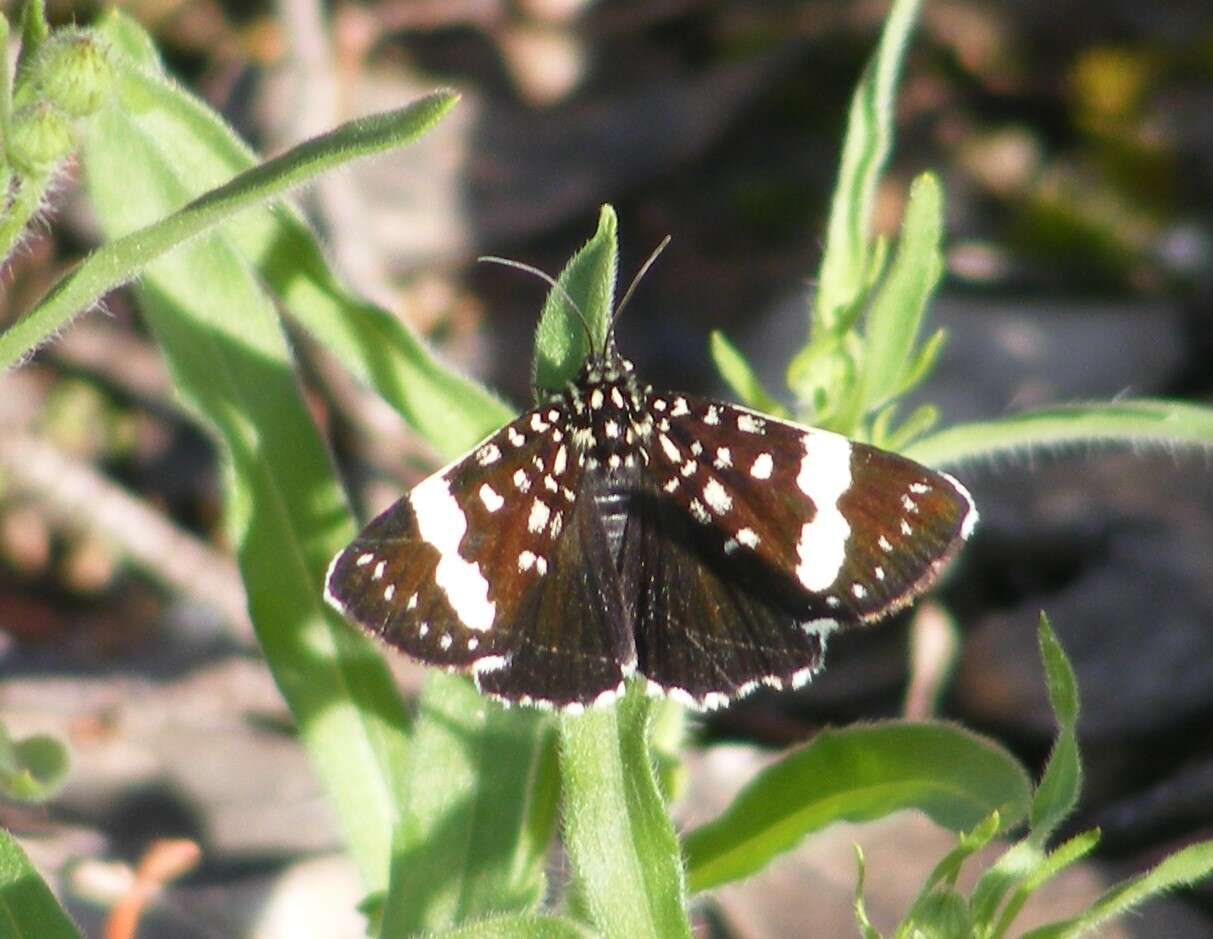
x=940 y=914
x=970 y=842
x=561 y=344
x=518 y=927
x=847 y=266
x=1194 y=863
x=32 y=769
x=736 y=371
x=1129 y=421
x=858 y=774
x=892 y=324
x=1061 y=783
x=479 y=813
x=1067 y=854
x=620 y=842
x=286 y=515
x=450 y=411
x=1015 y=866
x=28 y=909
x=121 y=259
x=866 y=929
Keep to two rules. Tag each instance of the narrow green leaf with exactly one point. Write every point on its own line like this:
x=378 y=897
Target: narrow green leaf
x=1142 y=420
x=736 y=371
x=892 y=324
x=6 y=94
x=1061 y=783
x=285 y=512
x=621 y=844
x=449 y=410
x=32 y=769
x=479 y=813
x=518 y=927
x=28 y=909
x=1184 y=868
x=970 y=842
x=1016 y=864
x=866 y=929
x=923 y=363
x=921 y=419
x=956 y=777
x=1066 y=854
x=561 y=344
x=847 y=263
x=34 y=30
x=121 y=259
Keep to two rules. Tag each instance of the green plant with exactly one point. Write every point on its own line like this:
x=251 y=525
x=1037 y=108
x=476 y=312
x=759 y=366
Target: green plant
x=450 y=814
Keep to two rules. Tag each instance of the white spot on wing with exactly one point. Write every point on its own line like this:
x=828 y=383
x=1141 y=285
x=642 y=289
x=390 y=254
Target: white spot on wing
x=885 y=545
x=516 y=438
x=539 y=516
x=521 y=481
x=561 y=460
x=488 y=495
x=537 y=423
x=747 y=537
x=526 y=560
x=680 y=408
x=617 y=397
x=719 y=500
x=667 y=445
x=825 y=474
x=378 y=571
x=823 y=626
x=762 y=466
x=749 y=424
x=699 y=512
x=724 y=458
x=388 y=592
x=442 y=524
x=713 y=415
x=364 y=559
x=488 y=454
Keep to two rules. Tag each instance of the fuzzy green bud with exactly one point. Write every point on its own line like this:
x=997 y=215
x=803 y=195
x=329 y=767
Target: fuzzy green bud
x=40 y=136
x=73 y=70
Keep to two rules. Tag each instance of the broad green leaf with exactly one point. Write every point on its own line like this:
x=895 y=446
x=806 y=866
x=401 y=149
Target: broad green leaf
x=32 y=769
x=450 y=411
x=620 y=842
x=286 y=515
x=1142 y=420
x=736 y=371
x=1184 y=868
x=561 y=343
x=1061 y=783
x=955 y=777
x=847 y=265
x=892 y=324
x=479 y=814
x=518 y=927
x=28 y=909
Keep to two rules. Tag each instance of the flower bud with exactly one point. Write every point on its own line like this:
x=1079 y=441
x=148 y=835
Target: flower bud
x=40 y=136
x=73 y=71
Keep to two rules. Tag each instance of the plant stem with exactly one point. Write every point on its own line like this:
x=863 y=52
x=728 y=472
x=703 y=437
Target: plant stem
x=622 y=845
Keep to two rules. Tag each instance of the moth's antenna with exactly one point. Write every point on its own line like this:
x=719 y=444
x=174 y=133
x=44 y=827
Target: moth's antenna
x=644 y=269
x=543 y=275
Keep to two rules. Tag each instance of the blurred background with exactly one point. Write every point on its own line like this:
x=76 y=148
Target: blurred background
x=1074 y=140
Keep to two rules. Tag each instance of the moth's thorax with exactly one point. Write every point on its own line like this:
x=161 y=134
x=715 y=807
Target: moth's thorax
x=606 y=407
